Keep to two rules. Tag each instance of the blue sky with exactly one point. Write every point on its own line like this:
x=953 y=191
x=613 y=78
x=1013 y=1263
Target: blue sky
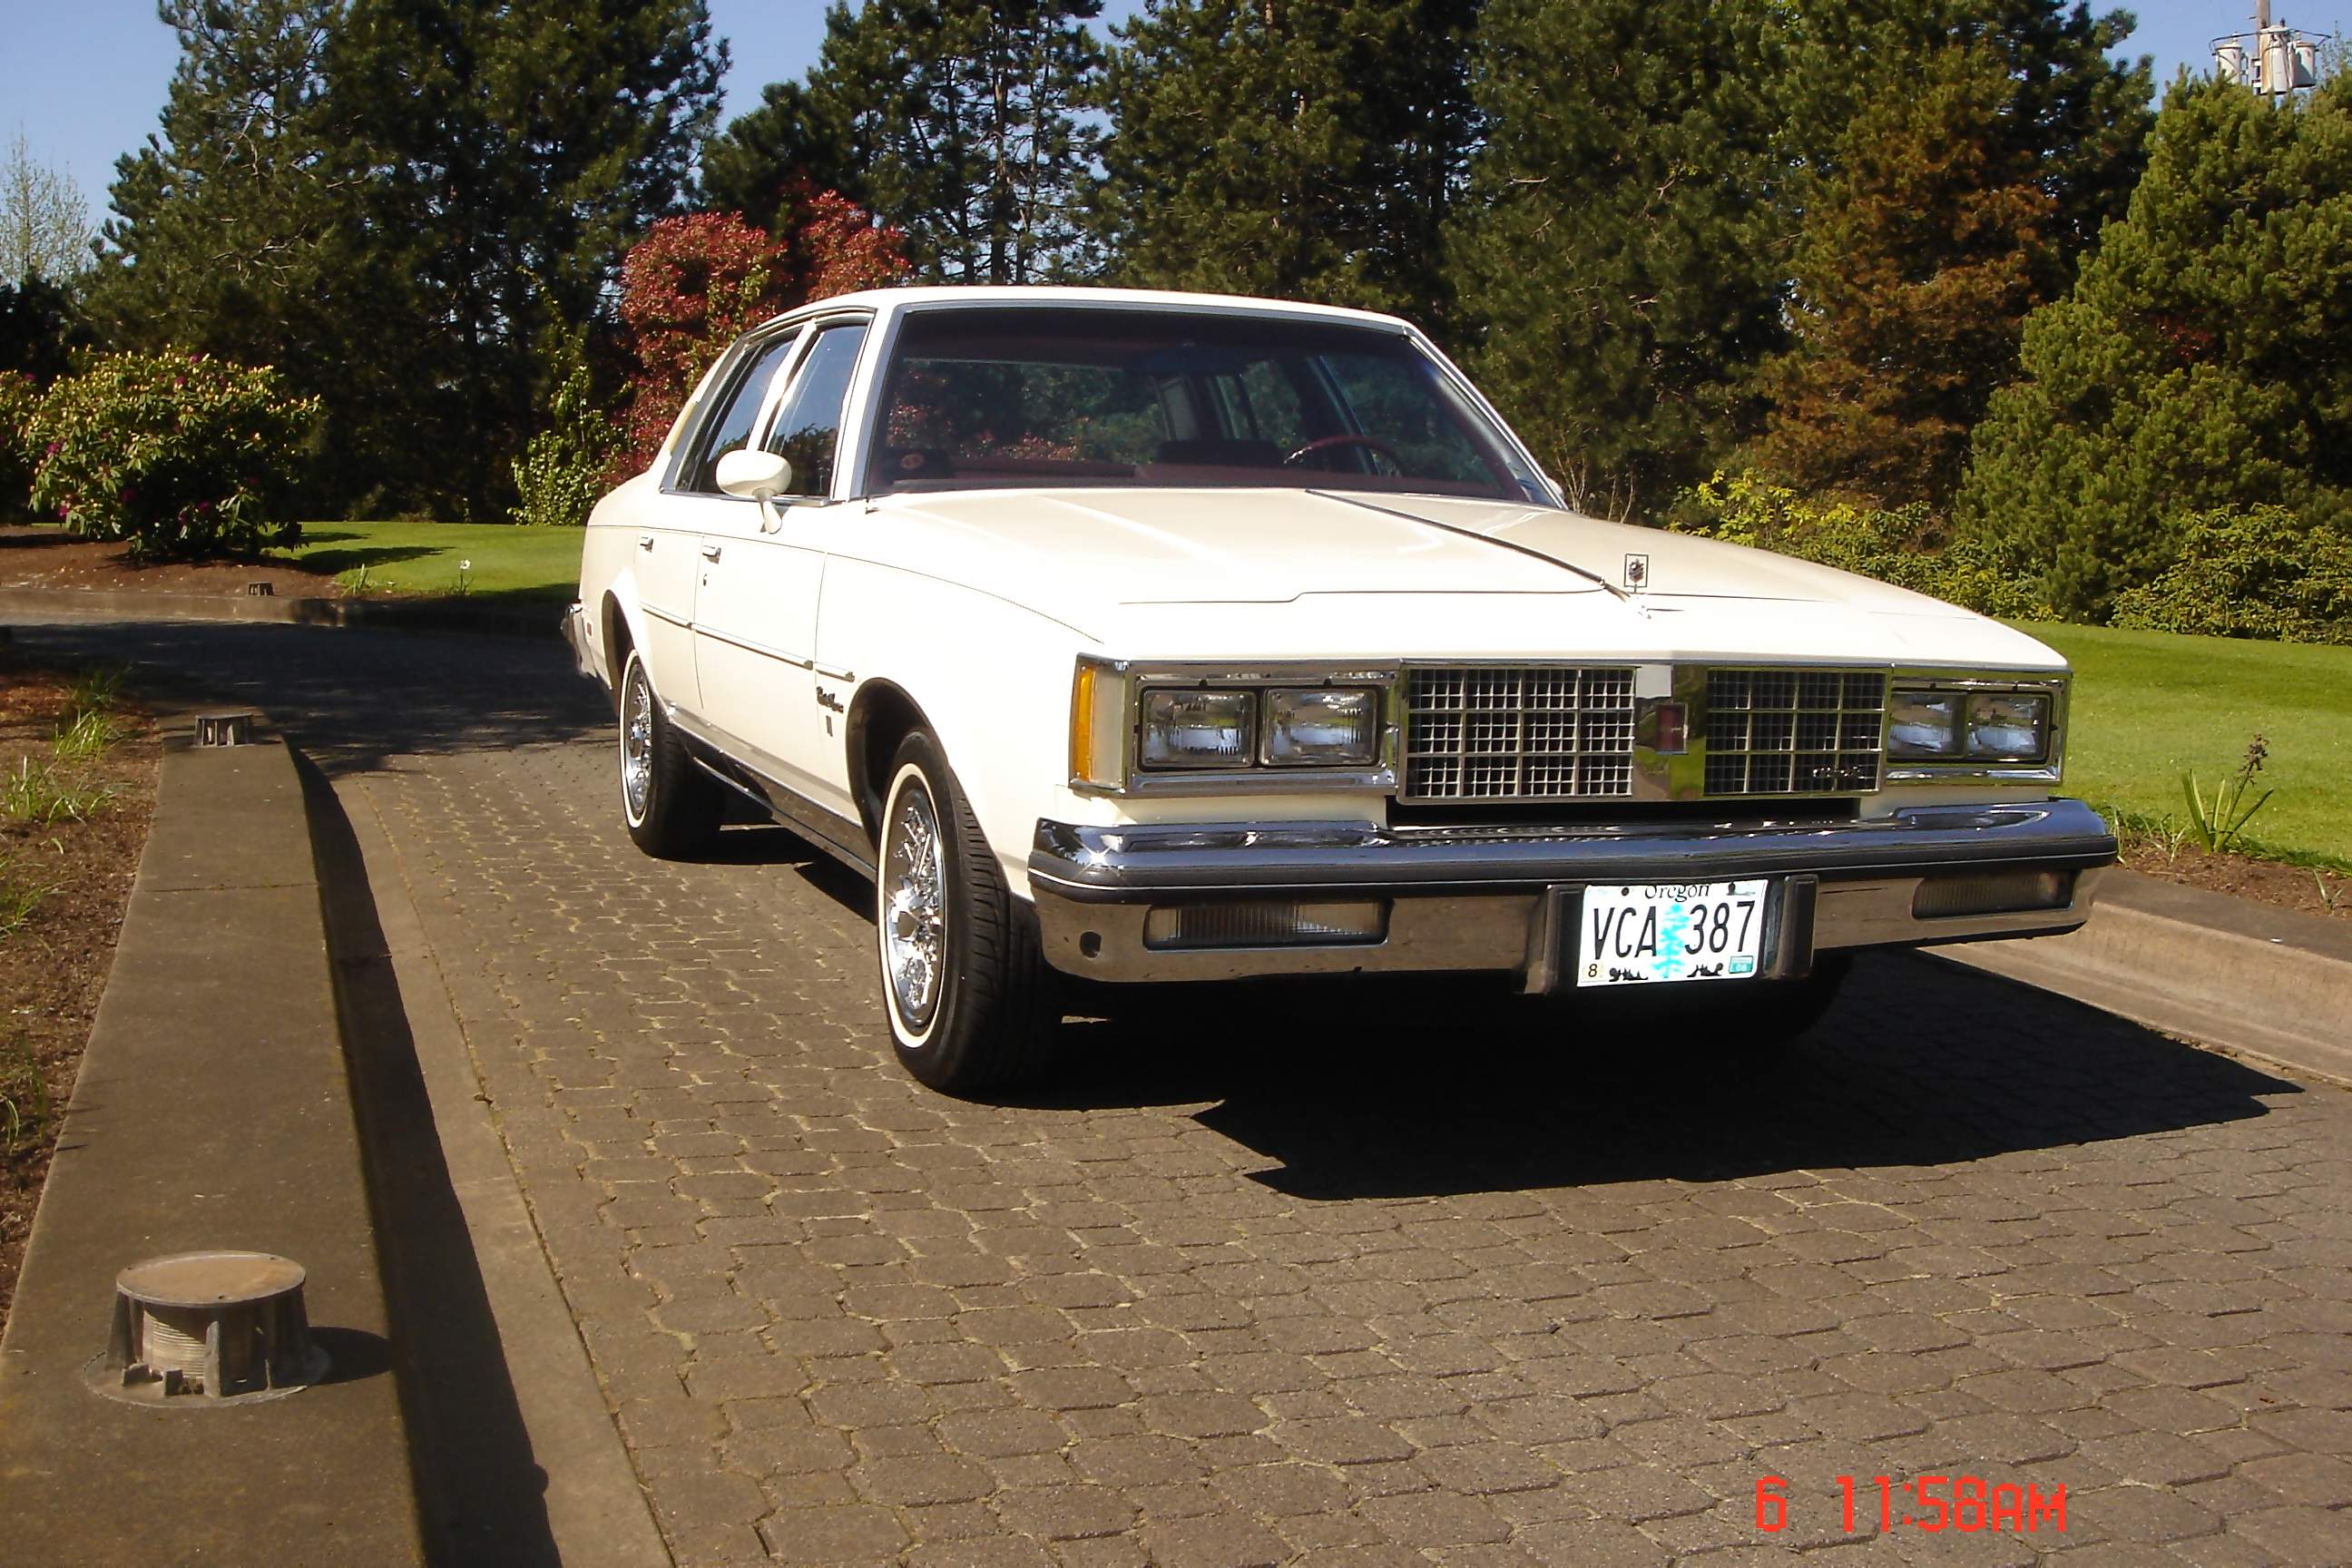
x=83 y=79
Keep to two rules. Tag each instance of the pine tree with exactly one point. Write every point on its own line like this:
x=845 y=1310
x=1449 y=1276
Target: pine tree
x=1949 y=162
x=1291 y=149
x=790 y=143
x=238 y=230
x=222 y=218
x=514 y=150
x=1922 y=250
x=2078 y=111
x=2202 y=360
x=1621 y=249
x=957 y=123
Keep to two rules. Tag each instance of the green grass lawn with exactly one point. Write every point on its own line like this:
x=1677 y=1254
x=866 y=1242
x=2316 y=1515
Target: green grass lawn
x=482 y=559
x=2149 y=706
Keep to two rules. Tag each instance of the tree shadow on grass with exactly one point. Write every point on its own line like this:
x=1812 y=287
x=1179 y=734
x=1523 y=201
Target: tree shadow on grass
x=334 y=563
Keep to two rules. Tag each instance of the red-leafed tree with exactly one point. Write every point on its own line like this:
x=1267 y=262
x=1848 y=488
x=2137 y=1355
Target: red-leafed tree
x=694 y=284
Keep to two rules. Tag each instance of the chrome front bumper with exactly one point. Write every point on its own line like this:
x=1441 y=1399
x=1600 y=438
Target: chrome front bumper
x=1505 y=899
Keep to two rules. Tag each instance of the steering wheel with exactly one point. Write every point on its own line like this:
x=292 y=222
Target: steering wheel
x=1330 y=443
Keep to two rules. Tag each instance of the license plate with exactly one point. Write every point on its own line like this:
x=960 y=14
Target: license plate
x=1633 y=933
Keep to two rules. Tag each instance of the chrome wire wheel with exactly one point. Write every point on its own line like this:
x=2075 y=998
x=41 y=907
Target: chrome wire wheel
x=914 y=915
x=636 y=742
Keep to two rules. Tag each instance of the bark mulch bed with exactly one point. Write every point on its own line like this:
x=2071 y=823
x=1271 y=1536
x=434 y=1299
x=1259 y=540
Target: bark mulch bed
x=2314 y=892
x=66 y=870
x=40 y=557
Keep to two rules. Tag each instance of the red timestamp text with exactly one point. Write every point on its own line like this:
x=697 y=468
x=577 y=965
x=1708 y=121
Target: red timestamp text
x=1966 y=1504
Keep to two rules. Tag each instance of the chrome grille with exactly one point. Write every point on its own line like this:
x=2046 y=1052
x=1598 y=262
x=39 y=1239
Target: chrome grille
x=1794 y=731
x=1518 y=732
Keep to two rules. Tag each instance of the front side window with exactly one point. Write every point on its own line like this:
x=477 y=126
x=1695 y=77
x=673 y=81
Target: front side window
x=1091 y=396
x=730 y=429
x=807 y=431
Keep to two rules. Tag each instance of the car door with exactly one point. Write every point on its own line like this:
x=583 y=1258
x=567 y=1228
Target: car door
x=670 y=534
x=763 y=569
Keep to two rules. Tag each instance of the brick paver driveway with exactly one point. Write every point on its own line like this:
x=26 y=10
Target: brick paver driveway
x=1260 y=1281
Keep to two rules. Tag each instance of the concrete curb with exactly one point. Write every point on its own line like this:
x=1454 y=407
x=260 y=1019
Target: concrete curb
x=586 y=1509
x=2268 y=982
x=431 y=615
x=213 y=1108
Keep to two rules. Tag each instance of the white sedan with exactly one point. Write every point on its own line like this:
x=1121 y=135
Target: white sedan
x=1146 y=637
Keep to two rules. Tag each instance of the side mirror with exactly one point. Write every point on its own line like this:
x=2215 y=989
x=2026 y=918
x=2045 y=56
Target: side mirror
x=753 y=475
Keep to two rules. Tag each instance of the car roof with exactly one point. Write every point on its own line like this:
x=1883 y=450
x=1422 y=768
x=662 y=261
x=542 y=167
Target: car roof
x=1083 y=296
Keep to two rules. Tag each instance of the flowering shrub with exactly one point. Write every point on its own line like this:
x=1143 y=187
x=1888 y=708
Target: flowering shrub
x=2253 y=572
x=181 y=455
x=689 y=289
x=18 y=397
x=694 y=284
x=835 y=247
x=1891 y=546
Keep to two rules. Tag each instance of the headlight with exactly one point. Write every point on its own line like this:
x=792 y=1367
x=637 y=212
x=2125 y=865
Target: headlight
x=1923 y=724
x=2009 y=726
x=1952 y=726
x=1198 y=729
x=1322 y=727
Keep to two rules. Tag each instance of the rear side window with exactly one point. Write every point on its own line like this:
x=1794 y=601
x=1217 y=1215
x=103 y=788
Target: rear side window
x=807 y=431
x=730 y=429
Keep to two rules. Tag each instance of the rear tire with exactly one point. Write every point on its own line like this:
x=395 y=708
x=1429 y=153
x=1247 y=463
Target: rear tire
x=670 y=808
x=971 y=1003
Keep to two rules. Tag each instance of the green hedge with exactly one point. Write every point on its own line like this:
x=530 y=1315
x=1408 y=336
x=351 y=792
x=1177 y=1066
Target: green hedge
x=1895 y=547
x=2254 y=571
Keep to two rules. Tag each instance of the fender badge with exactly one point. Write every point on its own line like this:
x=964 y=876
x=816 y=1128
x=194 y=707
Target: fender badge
x=1637 y=573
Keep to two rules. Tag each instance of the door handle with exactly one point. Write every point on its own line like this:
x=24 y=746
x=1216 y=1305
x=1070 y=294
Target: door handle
x=710 y=553
x=644 y=542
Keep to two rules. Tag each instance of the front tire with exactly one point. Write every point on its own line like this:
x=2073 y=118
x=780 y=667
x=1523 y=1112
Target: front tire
x=670 y=808
x=971 y=1004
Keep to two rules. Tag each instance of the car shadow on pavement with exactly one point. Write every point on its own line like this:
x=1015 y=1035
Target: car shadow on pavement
x=1396 y=1090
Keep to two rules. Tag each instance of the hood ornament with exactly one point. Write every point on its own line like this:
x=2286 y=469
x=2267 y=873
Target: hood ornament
x=1637 y=573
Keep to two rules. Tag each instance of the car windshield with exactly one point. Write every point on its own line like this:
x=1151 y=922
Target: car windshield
x=1092 y=397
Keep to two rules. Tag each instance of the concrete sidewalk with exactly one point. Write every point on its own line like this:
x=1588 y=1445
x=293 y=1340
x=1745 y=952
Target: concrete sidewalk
x=212 y=1110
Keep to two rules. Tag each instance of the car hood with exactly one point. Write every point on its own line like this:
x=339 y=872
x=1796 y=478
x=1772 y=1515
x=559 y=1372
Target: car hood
x=1313 y=573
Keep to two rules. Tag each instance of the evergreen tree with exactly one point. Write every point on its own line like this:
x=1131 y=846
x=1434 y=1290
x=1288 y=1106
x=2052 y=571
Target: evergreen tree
x=2203 y=359
x=1949 y=163
x=955 y=121
x=515 y=147
x=1921 y=252
x=790 y=143
x=1620 y=249
x=1291 y=149
x=237 y=229
x=40 y=329
x=2080 y=114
